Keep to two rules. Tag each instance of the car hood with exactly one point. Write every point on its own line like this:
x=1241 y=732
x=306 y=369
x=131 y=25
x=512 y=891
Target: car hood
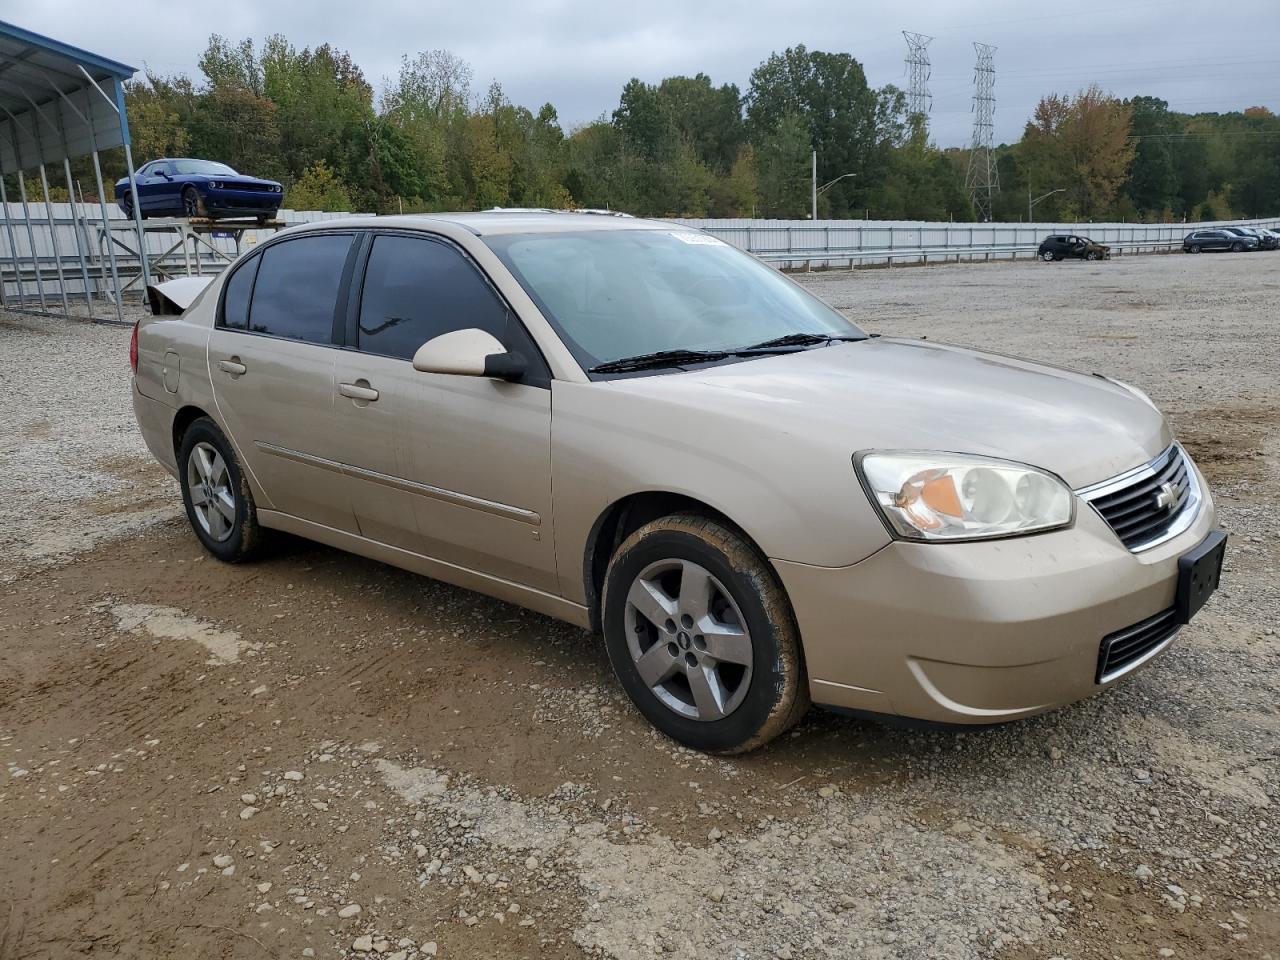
x=240 y=178
x=886 y=393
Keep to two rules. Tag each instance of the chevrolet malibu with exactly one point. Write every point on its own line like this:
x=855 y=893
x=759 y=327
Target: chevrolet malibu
x=637 y=428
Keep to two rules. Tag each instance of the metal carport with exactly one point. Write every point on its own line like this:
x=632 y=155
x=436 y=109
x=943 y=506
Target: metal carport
x=58 y=102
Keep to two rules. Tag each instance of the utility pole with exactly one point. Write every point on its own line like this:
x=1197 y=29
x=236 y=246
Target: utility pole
x=1031 y=203
x=814 y=188
x=919 y=101
x=983 y=179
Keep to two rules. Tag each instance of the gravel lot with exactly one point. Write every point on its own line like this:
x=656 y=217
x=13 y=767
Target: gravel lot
x=316 y=755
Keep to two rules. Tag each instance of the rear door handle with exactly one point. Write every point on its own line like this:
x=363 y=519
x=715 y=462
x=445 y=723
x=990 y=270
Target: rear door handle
x=358 y=391
x=232 y=366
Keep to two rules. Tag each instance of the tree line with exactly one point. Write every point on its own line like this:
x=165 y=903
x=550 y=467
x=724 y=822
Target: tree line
x=684 y=146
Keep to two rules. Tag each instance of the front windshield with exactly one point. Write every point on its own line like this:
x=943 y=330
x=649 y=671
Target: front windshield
x=208 y=167
x=612 y=294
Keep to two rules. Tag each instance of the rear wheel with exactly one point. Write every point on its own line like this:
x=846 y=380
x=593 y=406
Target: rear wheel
x=702 y=637
x=216 y=494
x=128 y=207
x=1194 y=248
x=1047 y=256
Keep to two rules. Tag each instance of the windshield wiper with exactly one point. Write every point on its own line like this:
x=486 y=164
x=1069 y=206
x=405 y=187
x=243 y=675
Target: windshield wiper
x=795 y=340
x=662 y=358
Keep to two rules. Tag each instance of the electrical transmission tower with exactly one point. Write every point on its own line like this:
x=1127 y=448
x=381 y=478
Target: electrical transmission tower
x=919 y=102
x=983 y=180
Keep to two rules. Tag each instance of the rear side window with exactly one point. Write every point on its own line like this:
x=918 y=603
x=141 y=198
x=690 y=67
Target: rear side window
x=416 y=289
x=235 y=295
x=297 y=287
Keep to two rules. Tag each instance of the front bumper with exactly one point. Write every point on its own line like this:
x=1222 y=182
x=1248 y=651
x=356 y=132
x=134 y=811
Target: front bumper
x=242 y=202
x=980 y=632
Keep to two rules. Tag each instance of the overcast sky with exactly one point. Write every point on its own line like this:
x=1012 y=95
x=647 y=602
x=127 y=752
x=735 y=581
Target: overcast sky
x=577 y=54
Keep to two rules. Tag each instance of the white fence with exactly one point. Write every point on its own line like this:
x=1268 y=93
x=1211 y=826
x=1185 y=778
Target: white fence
x=806 y=244
x=41 y=261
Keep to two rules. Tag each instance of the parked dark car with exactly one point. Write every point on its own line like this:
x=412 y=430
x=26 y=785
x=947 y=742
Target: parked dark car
x=1221 y=238
x=1061 y=245
x=184 y=187
x=1267 y=239
x=1248 y=233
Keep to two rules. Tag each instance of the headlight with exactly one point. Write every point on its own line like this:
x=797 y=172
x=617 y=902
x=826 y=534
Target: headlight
x=215 y=185
x=953 y=496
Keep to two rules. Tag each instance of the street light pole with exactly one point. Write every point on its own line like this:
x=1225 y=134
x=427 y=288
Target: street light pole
x=1031 y=203
x=814 y=187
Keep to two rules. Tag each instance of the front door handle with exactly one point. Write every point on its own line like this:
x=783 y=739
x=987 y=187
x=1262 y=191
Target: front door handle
x=360 y=390
x=232 y=366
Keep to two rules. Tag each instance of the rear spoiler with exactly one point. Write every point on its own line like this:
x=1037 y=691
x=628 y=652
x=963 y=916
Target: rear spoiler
x=174 y=296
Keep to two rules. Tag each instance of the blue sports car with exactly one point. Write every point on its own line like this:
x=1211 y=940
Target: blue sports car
x=199 y=188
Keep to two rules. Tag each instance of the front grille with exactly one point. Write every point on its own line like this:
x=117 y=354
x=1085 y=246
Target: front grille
x=1124 y=649
x=253 y=187
x=1144 y=508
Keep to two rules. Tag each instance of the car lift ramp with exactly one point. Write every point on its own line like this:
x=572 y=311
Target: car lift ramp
x=187 y=247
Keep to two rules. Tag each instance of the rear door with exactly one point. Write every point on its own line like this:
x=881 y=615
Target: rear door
x=271 y=360
x=455 y=468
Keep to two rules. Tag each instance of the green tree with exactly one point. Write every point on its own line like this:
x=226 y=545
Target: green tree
x=319 y=188
x=783 y=158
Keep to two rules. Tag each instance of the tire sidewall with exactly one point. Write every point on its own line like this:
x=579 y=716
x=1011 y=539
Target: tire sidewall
x=205 y=430
x=768 y=669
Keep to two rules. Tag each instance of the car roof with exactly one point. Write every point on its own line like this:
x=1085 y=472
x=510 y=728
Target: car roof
x=505 y=221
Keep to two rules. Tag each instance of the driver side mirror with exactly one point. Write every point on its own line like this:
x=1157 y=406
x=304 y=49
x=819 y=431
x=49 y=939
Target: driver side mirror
x=469 y=353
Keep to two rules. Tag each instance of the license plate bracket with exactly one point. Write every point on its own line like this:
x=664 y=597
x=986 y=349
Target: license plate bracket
x=1199 y=572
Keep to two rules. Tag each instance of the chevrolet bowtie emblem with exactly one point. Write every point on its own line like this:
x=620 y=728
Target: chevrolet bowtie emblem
x=1166 y=496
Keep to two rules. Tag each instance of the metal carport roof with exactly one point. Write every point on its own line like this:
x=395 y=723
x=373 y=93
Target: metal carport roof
x=56 y=101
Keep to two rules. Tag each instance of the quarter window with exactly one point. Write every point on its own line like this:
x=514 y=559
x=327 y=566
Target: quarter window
x=417 y=289
x=297 y=287
x=235 y=295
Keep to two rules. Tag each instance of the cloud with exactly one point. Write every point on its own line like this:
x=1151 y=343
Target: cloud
x=577 y=54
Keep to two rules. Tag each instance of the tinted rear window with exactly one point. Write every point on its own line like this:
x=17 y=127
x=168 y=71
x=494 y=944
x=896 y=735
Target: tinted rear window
x=235 y=296
x=297 y=288
x=416 y=289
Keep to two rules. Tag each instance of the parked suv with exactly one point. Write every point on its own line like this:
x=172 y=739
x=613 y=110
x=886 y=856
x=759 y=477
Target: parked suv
x=1204 y=241
x=640 y=429
x=1058 y=246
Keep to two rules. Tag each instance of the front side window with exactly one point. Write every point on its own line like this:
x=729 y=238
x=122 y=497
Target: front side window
x=612 y=294
x=296 y=291
x=417 y=289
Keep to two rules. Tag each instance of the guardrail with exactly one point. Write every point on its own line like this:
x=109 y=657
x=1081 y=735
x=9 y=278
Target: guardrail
x=804 y=244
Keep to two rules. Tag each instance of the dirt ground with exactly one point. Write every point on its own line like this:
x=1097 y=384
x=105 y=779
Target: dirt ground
x=317 y=755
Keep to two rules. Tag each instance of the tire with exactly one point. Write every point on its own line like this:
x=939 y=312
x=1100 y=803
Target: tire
x=694 y=574
x=1194 y=248
x=128 y=208
x=192 y=205
x=210 y=473
x=1047 y=257
x=1091 y=255
x=1237 y=247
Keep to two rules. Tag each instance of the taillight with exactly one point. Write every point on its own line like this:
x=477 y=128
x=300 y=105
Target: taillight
x=133 y=349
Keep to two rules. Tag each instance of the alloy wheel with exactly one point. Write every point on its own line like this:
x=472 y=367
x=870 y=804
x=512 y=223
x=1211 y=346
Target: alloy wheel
x=212 y=499
x=688 y=640
x=191 y=203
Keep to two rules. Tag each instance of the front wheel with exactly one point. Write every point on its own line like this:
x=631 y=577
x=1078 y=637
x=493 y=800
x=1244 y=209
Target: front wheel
x=192 y=205
x=701 y=635
x=1091 y=255
x=1047 y=256
x=1237 y=247
x=216 y=494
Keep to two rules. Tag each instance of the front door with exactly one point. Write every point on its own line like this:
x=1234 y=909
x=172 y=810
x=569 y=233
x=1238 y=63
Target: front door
x=454 y=468
x=271 y=360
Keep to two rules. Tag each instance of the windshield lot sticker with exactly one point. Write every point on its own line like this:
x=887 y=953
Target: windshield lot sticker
x=698 y=238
